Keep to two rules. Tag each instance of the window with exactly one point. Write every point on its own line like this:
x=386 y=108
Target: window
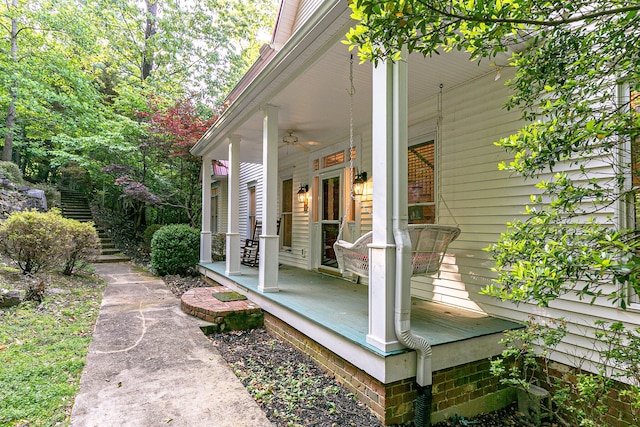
x=286 y=218
x=215 y=213
x=333 y=159
x=421 y=182
x=252 y=211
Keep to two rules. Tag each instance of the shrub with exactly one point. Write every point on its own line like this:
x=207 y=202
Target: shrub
x=218 y=245
x=11 y=171
x=148 y=234
x=175 y=249
x=83 y=245
x=34 y=240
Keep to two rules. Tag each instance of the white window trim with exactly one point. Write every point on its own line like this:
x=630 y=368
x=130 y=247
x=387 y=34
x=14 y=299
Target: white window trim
x=625 y=210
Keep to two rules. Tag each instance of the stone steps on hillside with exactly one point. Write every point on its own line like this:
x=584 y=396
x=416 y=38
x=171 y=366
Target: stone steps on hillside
x=76 y=206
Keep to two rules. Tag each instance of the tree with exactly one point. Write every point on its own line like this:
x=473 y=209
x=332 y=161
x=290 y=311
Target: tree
x=46 y=76
x=576 y=82
x=176 y=130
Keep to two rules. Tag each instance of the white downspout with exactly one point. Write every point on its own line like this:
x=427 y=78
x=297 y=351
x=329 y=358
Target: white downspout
x=401 y=236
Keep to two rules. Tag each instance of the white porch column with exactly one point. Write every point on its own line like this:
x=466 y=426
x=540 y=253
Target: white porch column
x=205 y=232
x=382 y=248
x=269 y=242
x=233 y=236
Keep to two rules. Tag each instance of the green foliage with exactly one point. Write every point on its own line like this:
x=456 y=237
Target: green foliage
x=218 y=245
x=12 y=172
x=80 y=86
x=175 y=249
x=41 y=241
x=83 y=245
x=43 y=348
x=148 y=234
x=581 y=397
x=34 y=240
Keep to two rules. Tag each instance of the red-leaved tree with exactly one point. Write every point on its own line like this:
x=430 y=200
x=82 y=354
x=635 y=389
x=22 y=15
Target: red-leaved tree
x=174 y=131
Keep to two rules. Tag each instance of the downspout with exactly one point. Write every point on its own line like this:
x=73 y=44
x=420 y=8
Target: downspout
x=402 y=320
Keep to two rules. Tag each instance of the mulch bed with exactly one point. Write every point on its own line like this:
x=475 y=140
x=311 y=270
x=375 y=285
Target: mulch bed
x=258 y=351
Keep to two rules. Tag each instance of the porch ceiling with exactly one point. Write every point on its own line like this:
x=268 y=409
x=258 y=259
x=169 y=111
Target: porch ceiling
x=314 y=101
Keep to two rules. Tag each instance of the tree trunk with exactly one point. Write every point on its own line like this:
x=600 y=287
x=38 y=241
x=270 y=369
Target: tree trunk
x=149 y=31
x=7 y=150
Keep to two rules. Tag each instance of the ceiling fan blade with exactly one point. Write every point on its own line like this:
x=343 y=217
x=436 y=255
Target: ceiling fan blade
x=301 y=147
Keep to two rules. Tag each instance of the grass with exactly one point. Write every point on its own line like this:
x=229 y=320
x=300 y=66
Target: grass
x=43 y=348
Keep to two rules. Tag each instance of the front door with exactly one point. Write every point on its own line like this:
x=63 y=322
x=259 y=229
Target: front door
x=330 y=216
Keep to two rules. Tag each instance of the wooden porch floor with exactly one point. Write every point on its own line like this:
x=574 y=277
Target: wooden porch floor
x=341 y=307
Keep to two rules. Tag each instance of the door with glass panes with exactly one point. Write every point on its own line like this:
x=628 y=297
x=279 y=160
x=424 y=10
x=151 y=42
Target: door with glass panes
x=330 y=194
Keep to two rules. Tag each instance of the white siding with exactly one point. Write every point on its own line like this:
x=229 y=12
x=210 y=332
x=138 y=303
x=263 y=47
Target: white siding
x=296 y=166
x=249 y=173
x=482 y=200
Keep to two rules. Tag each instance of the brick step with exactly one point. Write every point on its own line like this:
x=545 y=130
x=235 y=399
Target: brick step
x=224 y=313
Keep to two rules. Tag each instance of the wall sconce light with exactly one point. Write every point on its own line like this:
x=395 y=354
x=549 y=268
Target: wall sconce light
x=302 y=196
x=359 y=183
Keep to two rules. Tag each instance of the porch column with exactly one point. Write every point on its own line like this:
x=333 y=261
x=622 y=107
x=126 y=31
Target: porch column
x=382 y=248
x=233 y=236
x=205 y=232
x=269 y=243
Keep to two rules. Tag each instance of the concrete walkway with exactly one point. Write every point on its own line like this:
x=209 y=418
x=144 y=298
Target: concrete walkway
x=150 y=365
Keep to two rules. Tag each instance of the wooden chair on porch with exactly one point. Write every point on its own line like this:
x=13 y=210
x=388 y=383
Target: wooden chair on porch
x=251 y=249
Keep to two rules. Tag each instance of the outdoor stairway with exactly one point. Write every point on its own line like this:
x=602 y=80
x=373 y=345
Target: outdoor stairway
x=76 y=206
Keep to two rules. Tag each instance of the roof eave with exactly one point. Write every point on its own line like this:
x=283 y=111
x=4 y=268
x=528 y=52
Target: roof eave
x=282 y=60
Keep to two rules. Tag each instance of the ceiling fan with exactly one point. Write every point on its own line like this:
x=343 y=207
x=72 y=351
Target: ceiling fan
x=292 y=140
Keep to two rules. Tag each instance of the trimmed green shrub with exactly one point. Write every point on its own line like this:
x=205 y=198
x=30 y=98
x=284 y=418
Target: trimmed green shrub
x=83 y=245
x=175 y=249
x=148 y=234
x=34 y=240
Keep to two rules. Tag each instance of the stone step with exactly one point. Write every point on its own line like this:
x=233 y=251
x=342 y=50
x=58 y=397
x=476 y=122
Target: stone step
x=112 y=258
x=110 y=251
x=75 y=209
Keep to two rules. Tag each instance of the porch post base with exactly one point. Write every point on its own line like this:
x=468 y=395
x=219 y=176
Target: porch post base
x=384 y=346
x=268 y=263
x=205 y=247
x=382 y=258
x=232 y=267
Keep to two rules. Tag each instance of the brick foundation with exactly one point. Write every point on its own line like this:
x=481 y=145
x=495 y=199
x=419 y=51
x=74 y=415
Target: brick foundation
x=620 y=412
x=465 y=390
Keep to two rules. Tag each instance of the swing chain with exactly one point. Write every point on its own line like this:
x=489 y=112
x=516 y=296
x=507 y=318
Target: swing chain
x=351 y=91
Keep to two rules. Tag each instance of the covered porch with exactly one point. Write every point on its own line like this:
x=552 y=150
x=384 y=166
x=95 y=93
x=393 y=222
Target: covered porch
x=334 y=313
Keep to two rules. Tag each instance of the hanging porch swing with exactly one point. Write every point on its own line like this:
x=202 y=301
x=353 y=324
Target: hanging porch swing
x=429 y=242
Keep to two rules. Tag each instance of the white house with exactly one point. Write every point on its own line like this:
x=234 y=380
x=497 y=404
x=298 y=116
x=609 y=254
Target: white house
x=422 y=130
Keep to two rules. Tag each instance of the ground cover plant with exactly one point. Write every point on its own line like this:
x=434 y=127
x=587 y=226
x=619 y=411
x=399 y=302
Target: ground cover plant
x=43 y=346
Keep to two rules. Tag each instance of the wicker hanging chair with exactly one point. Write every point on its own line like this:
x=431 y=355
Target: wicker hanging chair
x=429 y=243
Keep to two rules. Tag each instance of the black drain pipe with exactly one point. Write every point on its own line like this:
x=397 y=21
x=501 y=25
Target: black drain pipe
x=423 y=406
